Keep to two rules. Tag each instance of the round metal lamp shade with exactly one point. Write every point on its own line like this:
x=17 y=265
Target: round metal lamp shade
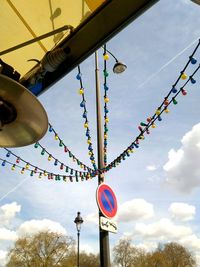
x=119 y=67
x=23 y=120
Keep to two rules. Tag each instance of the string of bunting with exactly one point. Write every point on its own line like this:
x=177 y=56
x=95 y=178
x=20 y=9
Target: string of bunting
x=66 y=150
x=35 y=170
x=61 y=164
x=85 y=117
x=41 y=172
x=90 y=146
x=106 y=100
x=144 y=126
x=73 y=173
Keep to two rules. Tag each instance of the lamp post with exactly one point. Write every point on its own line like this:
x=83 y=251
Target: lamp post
x=103 y=235
x=78 y=221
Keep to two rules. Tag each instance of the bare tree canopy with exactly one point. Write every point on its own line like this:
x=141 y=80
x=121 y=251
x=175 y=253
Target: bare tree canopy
x=44 y=249
x=126 y=255
x=89 y=260
x=166 y=255
x=47 y=249
x=178 y=256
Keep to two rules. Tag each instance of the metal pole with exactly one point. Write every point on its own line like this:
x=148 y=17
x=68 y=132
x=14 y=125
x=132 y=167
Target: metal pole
x=103 y=235
x=78 y=237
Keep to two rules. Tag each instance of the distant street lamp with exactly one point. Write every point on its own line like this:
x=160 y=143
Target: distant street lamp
x=78 y=221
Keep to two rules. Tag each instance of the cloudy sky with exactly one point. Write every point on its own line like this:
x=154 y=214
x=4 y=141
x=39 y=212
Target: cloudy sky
x=157 y=187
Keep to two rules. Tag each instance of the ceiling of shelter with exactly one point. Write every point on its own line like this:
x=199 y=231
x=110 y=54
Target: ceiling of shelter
x=23 y=20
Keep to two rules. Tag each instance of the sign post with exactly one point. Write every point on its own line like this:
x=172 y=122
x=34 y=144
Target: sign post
x=104 y=249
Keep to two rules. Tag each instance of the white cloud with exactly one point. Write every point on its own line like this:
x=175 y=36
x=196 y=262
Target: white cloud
x=192 y=241
x=183 y=168
x=163 y=229
x=135 y=209
x=132 y=210
x=92 y=218
x=35 y=226
x=8 y=212
x=28 y=228
x=87 y=248
x=175 y=158
x=151 y=167
x=198 y=259
x=3 y=255
x=147 y=236
x=147 y=246
x=7 y=235
x=182 y=211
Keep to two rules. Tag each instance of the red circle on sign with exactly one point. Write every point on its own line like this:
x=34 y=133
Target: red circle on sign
x=106 y=201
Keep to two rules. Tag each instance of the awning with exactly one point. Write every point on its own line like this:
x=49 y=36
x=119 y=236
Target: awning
x=22 y=20
x=93 y=21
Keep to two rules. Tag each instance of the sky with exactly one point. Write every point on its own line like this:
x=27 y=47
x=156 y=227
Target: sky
x=157 y=187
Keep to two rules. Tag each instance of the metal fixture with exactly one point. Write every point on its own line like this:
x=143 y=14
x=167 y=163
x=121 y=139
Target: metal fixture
x=78 y=221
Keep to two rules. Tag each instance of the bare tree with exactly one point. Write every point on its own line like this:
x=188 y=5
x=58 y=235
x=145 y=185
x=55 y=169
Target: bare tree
x=86 y=260
x=44 y=249
x=178 y=256
x=89 y=260
x=126 y=255
x=170 y=255
x=166 y=255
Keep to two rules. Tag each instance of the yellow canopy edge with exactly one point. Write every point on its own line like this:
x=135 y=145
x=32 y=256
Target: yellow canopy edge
x=23 y=20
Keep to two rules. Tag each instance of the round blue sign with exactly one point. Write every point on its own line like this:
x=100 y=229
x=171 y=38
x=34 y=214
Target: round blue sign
x=106 y=201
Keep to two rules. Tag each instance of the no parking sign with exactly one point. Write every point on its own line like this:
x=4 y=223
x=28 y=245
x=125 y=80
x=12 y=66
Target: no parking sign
x=106 y=200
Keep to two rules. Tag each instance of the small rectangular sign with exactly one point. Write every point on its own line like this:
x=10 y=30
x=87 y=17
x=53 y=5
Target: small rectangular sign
x=108 y=225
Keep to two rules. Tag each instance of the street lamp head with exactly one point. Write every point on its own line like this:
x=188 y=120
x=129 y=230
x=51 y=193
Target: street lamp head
x=78 y=221
x=119 y=67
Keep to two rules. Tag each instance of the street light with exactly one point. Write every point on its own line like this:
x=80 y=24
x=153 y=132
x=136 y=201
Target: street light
x=103 y=235
x=78 y=221
x=119 y=67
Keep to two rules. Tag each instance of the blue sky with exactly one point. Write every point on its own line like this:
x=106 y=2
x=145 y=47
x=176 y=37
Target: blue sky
x=157 y=187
